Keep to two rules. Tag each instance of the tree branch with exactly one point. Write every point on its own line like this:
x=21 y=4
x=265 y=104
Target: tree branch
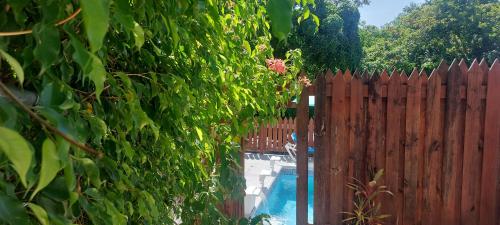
x=22 y=32
x=47 y=125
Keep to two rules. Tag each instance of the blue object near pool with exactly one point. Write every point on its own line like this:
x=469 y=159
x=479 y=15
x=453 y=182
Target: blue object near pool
x=281 y=200
x=310 y=149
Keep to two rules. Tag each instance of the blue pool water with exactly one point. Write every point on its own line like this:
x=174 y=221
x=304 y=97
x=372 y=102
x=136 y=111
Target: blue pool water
x=281 y=200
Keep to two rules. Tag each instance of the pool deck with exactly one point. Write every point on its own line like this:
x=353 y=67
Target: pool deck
x=260 y=172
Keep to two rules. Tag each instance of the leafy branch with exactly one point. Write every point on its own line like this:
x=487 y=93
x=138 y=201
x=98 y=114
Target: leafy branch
x=47 y=125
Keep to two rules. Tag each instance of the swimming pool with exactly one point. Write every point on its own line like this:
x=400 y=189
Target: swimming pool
x=281 y=200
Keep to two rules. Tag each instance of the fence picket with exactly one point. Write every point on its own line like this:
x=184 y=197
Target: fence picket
x=453 y=147
x=411 y=149
x=490 y=183
x=338 y=157
x=433 y=152
x=392 y=168
x=471 y=181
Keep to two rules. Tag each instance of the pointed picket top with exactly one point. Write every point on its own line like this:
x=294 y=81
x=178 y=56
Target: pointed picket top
x=357 y=75
x=347 y=75
x=484 y=64
x=495 y=68
x=339 y=73
x=338 y=77
x=423 y=76
x=384 y=77
x=454 y=67
x=413 y=74
x=434 y=76
x=463 y=65
x=365 y=76
x=442 y=70
x=485 y=68
x=404 y=77
x=474 y=66
x=463 y=69
x=329 y=76
x=395 y=75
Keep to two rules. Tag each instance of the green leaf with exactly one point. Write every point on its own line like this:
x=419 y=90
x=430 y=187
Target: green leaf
x=14 y=65
x=280 y=14
x=40 y=213
x=91 y=65
x=316 y=20
x=96 y=21
x=57 y=189
x=247 y=47
x=12 y=211
x=199 y=133
x=17 y=149
x=91 y=170
x=47 y=44
x=50 y=165
x=307 y=12
x=138 y=35
x=8 y=114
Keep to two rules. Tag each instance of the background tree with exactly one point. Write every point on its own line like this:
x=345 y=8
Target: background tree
x=424 y=34
x=335 y=44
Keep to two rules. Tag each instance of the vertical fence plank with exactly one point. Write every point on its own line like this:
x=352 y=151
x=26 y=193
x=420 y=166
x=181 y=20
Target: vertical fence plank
x=413 y=100
x=262 y=138
x=393 y=205
x=320 y=172
x=302 y=122
x=338 y=157
x=421 y=145
x=374 y=124
x=349 y=174
x=357 y=135
x=490 y=184
x=433 y=152
x=453 y=147
x=471 y=175
x=280 y=134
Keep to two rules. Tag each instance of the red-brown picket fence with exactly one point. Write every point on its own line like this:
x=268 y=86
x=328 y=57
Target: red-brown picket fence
x=273 y=138
x=437 y=138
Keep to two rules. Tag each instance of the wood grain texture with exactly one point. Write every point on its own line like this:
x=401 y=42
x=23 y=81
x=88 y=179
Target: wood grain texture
x=411 y=149
x=490 y=184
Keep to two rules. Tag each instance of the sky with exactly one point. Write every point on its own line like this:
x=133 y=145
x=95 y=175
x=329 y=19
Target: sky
x=380 y=12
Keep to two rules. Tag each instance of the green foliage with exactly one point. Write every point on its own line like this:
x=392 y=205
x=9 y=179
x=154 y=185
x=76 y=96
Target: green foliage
x=425 y=34
x=164 y=89
x=367 y=202
x=335 y=44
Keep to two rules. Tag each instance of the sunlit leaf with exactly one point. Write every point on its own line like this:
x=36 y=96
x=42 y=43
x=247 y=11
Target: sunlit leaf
x=50 y=165
x=40 y=213
x=14 y=65
x=17 y=150
x=138 y=35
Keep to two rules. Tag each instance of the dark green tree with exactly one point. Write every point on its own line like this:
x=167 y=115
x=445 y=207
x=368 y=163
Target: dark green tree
x=335 y=44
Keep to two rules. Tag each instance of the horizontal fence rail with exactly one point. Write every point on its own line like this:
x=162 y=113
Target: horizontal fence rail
x=273 y=138
x=437 y=137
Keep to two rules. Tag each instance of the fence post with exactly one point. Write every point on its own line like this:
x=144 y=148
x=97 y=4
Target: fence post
x=320 y=161
x=302 y=122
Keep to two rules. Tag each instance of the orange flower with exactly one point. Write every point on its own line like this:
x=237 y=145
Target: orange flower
x=276 y=65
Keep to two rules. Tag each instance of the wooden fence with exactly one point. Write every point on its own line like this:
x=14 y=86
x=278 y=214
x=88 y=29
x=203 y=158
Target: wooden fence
x=437 y=137
x=275 y=137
